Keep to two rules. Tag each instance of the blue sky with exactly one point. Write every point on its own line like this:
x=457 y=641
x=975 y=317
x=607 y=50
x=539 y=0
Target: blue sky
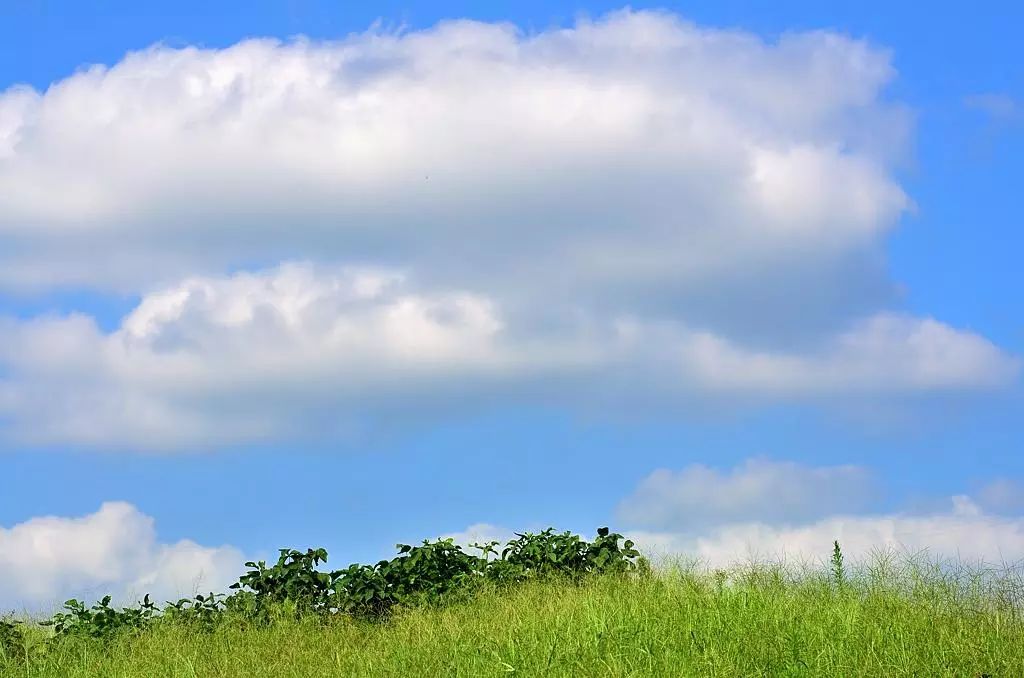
x=536 y=422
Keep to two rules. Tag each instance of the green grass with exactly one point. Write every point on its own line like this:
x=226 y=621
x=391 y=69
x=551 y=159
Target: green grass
x=914 y=621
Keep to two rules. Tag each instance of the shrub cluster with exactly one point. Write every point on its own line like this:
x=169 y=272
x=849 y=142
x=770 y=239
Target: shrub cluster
x=428 y=573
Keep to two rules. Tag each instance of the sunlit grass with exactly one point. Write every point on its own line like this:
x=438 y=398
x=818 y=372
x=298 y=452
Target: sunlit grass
x=888 y=619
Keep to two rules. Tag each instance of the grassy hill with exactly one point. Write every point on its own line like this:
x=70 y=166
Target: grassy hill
x=890 y=617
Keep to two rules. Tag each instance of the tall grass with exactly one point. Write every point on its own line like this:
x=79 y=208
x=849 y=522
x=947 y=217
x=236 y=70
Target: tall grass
x=889 y=618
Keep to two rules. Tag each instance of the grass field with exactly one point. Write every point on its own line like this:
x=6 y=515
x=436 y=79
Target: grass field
x=884 y=621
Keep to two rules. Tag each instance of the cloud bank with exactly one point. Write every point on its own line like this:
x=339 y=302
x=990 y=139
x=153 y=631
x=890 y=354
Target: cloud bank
x=963 y=533
x=768 y=510
x=263 y=356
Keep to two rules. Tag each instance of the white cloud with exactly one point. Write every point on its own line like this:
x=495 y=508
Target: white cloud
x=885 y=351
x=115 y=550
x=759 y=489
x=298 y=350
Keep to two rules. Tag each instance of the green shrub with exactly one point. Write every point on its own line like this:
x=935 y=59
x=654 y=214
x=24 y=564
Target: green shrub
x=294 y=578
x=12 y=642
x=547 y=553
x=427 y=573
x=418 y=574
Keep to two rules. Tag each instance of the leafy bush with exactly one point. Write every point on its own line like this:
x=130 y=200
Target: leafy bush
x=422 y=573
x=12 y=642
x=430 y=570
x=418 y=574
x=361 y=590
x=566 y=554
x=294 y=578
x=426 y=573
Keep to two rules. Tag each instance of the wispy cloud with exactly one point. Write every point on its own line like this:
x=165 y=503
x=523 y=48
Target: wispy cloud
x=999 y=107
x=700 y=497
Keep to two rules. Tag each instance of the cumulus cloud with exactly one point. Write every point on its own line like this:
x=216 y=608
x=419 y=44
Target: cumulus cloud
x=114 y=550
x=258 y=356
x=634 y=158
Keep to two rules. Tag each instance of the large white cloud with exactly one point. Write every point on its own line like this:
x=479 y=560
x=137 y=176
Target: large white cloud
x=636 y=159
x=112 y=551
x=635 y=208
x=298 y=350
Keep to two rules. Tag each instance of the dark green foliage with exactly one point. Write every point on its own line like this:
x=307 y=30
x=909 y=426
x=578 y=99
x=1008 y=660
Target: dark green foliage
x=361 y=590
x=427 y=573
x=12 y=642
x=546 y=553
x=418 y=574
x=294 y=578
x=101 y=620
x=566 y=554
x=424 y=573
